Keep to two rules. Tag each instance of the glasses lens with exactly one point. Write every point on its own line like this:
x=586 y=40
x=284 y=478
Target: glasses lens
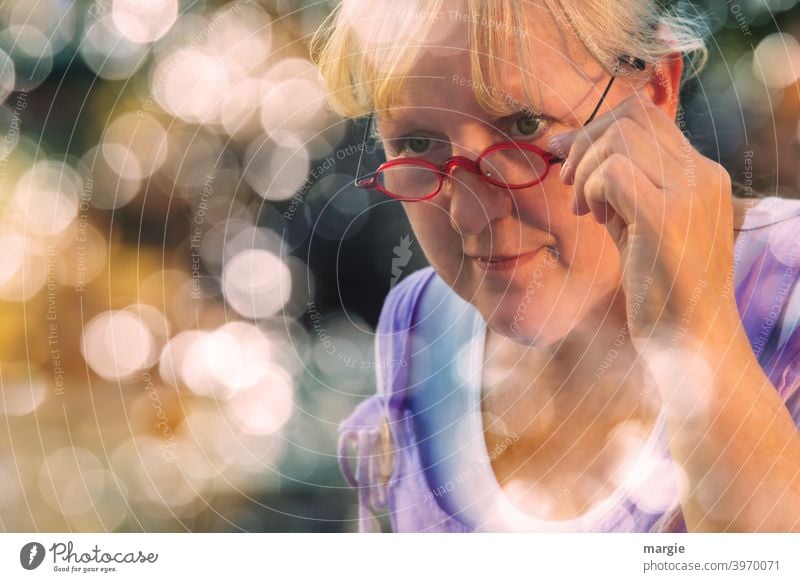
x=514 y=166
x=409 y=181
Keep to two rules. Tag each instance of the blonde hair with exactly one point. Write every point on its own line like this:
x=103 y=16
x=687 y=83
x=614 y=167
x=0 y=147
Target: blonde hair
x=365 y=75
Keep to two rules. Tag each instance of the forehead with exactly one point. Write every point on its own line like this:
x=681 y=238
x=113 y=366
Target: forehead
x=539 y=56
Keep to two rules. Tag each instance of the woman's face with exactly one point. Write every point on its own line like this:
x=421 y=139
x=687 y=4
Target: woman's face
x=543 y=294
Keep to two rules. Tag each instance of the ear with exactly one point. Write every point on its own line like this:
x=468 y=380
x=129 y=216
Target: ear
x=664 y=85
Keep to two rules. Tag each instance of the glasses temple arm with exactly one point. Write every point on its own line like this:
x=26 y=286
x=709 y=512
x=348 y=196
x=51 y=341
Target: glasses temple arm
x=359 y=177
x=634 y=62
x=600 y=103
x=560 y=159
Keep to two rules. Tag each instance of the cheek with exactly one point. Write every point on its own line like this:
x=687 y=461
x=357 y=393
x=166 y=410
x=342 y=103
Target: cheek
x=434 y=233
x=589 y=248
x=593 y=277
x=598 y=256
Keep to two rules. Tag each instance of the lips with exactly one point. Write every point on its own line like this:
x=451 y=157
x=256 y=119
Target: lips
x=503 y=262
x=495 y=258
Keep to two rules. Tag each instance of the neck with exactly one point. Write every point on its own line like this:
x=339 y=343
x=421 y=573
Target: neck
x=593 y=368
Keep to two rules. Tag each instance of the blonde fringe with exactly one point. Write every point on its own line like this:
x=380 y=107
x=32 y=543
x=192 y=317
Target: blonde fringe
x=360 y=80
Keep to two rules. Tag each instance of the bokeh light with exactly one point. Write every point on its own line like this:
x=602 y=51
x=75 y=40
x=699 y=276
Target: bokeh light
x=117 y=345
x=777 y=60
x=256 y=283
x=144 y=20
x=47 y=197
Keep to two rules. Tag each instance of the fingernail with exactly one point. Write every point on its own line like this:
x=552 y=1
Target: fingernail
x=557 y=146
x=566 y=173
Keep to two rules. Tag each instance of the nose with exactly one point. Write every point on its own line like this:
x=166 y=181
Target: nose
x=474 y=203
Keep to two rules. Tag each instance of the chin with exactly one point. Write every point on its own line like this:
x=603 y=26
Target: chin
x=533 y=325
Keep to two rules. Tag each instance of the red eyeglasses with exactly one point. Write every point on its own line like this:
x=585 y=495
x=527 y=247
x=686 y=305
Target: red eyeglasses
x=510 y=164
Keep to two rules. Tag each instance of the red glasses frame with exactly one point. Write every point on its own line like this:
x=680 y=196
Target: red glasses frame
x=445 y=170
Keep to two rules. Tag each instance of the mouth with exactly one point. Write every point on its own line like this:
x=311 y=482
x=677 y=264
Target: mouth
x=508 y=262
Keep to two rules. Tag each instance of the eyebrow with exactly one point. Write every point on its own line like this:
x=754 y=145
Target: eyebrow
x=405 y=123
x=414 y=117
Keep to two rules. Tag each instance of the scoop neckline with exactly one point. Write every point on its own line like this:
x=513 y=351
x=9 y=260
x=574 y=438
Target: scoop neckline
x=498 y=499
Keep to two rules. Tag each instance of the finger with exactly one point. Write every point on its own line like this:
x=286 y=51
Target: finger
x=637 y=107
x=619 y=186
x=629 y=139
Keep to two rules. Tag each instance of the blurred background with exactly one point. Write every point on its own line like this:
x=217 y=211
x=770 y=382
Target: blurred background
x=189 y=284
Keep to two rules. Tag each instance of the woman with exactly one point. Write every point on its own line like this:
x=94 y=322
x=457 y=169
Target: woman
x=605 y=339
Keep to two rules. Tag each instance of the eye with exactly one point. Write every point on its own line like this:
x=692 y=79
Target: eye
x=417 y=144
x=529 y=124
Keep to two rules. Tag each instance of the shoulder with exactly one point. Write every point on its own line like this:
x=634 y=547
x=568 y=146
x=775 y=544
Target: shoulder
x=769 y=224
x=398 y=307
x=377 y=430
x=761 y=221
x=392 y=335
x=767 y=259
x=767 y=250
x=390 y=349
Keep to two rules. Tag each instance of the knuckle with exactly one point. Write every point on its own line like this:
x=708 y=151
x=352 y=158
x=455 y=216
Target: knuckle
x=616 y=133
x=598 y=151
x=632 y=103
x=646 y=113
x=616 y=167
x=617 y=161
x=639 y=106
x=594 y=186
x=648 y=105
x=611 y=145
x=626 y=124
x=626 y=134
x=583 y=171
x=631 y=128
x=608 y=177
